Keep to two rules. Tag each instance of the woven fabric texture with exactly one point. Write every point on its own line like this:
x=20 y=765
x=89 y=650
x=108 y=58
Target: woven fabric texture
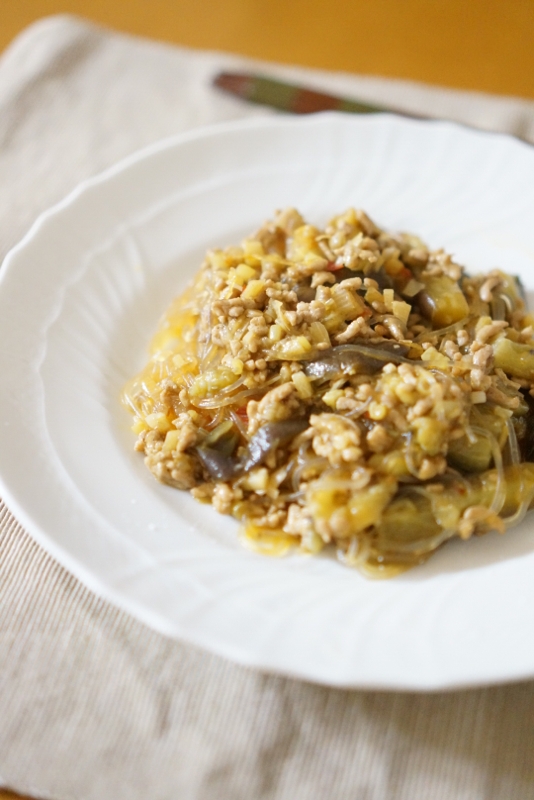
x=93 y=705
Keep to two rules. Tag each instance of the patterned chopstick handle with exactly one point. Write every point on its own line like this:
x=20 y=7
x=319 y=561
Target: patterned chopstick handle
x=286 y=96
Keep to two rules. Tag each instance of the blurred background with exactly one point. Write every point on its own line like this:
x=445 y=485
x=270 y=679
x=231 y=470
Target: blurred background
x=486 y=45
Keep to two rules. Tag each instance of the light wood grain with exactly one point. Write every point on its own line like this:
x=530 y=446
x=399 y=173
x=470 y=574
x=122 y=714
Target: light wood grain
x=472 y=44
x=10 y=796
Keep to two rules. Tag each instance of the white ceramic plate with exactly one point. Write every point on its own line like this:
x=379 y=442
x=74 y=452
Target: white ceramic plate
x=79 y=299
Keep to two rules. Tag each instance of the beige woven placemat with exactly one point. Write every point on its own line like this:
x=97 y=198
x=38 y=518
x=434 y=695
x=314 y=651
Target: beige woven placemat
x=93 y=705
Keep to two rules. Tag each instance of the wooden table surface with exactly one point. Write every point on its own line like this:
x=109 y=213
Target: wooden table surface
x=470 y=44
x=473 y=44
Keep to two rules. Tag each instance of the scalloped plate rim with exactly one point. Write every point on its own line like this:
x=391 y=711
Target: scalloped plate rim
x=87 y=577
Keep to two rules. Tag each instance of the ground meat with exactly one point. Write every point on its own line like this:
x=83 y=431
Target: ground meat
x=224 y=496
x=180 y=470
x=335 y=438
x=278 y=404
x=187 y=432
x=342 y=385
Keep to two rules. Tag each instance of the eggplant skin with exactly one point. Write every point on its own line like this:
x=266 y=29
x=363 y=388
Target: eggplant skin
x=219 y=466
x=355 y=358
x=268 y=438
x=223 y=467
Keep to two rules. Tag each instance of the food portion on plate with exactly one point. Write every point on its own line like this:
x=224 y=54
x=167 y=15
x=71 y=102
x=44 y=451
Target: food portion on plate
x=343 y=387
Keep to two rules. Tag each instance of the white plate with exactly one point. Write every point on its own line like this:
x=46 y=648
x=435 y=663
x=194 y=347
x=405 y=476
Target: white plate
x=79 y=299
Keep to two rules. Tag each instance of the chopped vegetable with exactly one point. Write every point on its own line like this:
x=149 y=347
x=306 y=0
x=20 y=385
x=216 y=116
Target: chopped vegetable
x=344 y=387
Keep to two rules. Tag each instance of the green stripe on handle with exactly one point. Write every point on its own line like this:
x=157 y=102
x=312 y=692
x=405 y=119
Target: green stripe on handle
x=286 y=96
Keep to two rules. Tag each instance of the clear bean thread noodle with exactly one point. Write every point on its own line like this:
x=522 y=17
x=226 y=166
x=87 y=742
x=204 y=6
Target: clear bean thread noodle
x=343 y=387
